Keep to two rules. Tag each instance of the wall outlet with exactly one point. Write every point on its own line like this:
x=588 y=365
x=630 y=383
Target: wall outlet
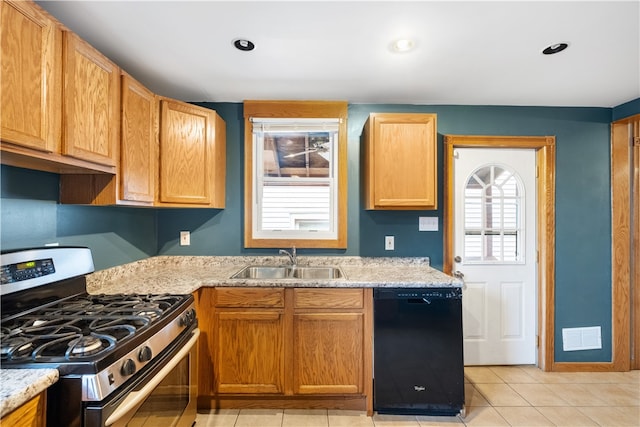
x=185 y=238
x=388 y=243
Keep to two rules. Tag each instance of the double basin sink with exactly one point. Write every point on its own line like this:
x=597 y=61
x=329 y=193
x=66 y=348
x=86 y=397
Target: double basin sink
x=288 y=272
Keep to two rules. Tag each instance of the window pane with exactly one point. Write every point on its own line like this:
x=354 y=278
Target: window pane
x=297 y=154
x=473 y=247
x=492 y=215
x=473 y=213
x=296 y=207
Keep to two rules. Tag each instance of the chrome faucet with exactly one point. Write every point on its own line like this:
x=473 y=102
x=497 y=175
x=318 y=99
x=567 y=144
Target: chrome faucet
x=293 y=258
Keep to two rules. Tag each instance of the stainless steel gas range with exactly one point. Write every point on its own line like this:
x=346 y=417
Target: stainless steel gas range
x=125 y=359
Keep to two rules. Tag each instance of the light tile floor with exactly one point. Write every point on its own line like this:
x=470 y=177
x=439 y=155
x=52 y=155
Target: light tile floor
x=495 y=396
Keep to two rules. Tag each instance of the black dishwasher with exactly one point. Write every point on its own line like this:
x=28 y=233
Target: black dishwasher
x=418 y=358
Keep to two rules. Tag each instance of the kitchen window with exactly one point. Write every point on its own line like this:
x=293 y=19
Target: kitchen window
x=295 y=174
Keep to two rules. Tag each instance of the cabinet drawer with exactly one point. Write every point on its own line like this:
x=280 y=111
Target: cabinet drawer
x=249 y=297
x=328 y=298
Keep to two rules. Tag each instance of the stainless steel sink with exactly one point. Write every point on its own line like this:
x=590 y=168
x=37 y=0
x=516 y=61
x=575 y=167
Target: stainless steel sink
x=317 y=273
x=288 y=272
x=262 y=272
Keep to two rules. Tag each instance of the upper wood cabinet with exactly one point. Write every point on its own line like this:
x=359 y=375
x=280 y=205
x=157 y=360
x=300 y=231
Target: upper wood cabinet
x=135 y=179
x=400 y=162
x=91 y=120
x=33 y=97
x=180 y=163
x=192 y=156
x=138 y=142
x=31 y=77
x=68 y=109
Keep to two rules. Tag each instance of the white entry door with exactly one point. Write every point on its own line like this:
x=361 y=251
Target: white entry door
x=495 y=251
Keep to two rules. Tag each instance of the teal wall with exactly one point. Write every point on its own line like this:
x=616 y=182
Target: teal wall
x=626 y=110
x=31 y=215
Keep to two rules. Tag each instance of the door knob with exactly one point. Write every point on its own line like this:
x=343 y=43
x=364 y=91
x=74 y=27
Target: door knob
x=458 y=274
x=457 y=258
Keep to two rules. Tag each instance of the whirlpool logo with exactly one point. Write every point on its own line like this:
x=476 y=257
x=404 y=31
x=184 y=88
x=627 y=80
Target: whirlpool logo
x=419 y=388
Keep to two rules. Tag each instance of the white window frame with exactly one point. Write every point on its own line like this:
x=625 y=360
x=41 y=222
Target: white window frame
x=281 y=125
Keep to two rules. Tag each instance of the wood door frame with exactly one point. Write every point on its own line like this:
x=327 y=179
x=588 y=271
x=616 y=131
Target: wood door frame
x=625 y=281
x=545 y=147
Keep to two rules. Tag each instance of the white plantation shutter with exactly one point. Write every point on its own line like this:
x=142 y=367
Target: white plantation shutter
x=493 y=216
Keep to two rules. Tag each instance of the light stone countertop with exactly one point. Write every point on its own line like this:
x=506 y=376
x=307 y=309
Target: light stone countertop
x=18 y=386
x=185 y=274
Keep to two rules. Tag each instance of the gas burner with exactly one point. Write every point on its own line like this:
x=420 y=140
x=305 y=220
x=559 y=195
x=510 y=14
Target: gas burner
x=147 y=309
x=84 y=307
x=119 y=327
x=15 y=347
x=84 y=345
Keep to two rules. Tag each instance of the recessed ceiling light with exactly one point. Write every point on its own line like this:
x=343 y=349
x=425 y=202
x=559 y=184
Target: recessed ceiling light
x=403 y=45
x=555 y=48
x=244 y=44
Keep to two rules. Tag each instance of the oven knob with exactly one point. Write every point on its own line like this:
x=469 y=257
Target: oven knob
x=145 y=354
x=128 y=367
x=188 y=318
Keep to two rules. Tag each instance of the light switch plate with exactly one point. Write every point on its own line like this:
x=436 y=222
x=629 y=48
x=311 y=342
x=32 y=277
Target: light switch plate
x=428 y=223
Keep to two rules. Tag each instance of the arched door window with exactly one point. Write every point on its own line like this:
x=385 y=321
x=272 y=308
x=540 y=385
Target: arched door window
x=493 y=223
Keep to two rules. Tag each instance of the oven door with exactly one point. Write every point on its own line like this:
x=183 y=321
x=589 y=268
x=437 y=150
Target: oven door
x=164 y=395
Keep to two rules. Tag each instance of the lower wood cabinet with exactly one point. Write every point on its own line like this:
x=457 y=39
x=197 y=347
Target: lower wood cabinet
x=30 y=414
x=328 y=353
x=249 y=351
x=285 y=348
x=328 y=341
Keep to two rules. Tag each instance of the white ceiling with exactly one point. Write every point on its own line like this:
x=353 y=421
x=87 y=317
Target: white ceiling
x=467 y=52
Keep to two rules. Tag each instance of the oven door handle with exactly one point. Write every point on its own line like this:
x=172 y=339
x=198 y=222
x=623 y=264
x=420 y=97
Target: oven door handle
x=135 y=398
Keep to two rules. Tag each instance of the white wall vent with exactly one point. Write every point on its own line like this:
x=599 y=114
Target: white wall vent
x=581 y=338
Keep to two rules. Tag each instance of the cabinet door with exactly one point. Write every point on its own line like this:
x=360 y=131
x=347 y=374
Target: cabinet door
x=328 y=353
x=91 y=125
x=249 y=352
x=31 y=53
x=138 y=145
x=401 y=161
x=192 y=141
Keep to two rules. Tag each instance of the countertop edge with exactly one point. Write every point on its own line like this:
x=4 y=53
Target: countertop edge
x=18 y=386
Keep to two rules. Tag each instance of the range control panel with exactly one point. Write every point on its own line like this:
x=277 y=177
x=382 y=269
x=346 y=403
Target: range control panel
x=18 y=272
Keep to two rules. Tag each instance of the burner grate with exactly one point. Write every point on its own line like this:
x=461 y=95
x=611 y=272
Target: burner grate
x=68 y=338
x=80 y=328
